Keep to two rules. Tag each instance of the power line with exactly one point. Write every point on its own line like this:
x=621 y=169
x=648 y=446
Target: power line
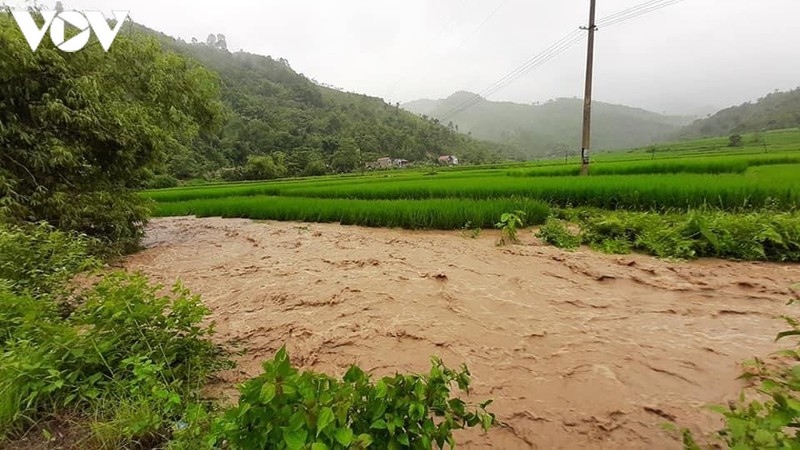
x=611 y=21
x=629 y=10
x=453 y=19
x=556 y=49
x=538 y=60
x=483 y=24
x=470 y=36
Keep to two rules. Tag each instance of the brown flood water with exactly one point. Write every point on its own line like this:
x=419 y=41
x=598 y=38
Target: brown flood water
x=578 y=350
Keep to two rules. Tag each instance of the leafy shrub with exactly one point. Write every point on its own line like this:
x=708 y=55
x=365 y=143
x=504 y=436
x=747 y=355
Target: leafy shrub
x=231 y=173
x=162 y=181
x=116 y=219
x=135 y=359
x=555 y=232
x=287 y=409
x=38 y=258
x=509 y=223
x=758 y=236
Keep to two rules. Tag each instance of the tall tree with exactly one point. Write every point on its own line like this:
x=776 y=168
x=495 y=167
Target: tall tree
x=80 y=131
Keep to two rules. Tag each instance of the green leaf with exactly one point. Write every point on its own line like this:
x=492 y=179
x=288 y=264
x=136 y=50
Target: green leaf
x=381 y=389
x=268 y=391
x=296 y=439
x=326 y=417
x=282 y=364
x=354 y=374
x=379 y=424
x=319 y=446
x=487 y=421
x=364 y=439
x=764 y=439
x=344 y=436
x=403 y=439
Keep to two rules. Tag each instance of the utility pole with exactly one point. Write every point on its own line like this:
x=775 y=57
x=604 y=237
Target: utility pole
x=587 y=98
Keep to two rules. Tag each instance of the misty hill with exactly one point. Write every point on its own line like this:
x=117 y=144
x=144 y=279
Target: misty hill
x=778 y=110
x=550 y=128
x=300 y=127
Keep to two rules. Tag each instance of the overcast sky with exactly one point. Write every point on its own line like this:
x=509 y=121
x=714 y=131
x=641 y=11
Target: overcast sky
x=689 y=57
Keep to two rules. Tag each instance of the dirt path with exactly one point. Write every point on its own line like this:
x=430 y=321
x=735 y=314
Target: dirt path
x=579 y=350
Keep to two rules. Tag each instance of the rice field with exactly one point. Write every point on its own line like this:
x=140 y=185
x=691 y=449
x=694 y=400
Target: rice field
x=732 y=180
x=441 y=214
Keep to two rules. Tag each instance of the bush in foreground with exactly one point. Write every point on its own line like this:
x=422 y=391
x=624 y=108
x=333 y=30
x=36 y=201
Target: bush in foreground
x=39 y=258
x=126 y=359
x=287 y=409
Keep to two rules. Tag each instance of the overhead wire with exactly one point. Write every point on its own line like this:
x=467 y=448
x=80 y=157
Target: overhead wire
x=556 y=49
x=624 y=17
x=537 y=60
x=445 y=26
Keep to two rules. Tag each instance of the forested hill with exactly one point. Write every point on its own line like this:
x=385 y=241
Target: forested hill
x=549 y=129
x=776 y=111
x=298 y=127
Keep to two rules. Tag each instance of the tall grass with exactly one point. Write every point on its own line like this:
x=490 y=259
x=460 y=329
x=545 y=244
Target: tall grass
x=736 y=164
x=641 y=192
x=766 y=185
x=754 y=236
x=443 y=214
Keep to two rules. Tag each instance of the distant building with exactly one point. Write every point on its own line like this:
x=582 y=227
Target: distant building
x=383 y=163
x=449 y=160
x=388 y=163
x=400 y=163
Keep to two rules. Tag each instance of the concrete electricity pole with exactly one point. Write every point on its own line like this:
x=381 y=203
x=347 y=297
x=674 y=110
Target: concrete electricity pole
x=587 y=98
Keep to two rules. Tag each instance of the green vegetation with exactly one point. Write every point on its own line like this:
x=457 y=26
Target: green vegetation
x=775 y=111
x=122 y=358
x=81 y=131
x=711 y=165
x=767 y=235
x=444 y=214
x=283 y=408
x=645 y=192
x=509 y=224
x=555 y=232
x=732 y=205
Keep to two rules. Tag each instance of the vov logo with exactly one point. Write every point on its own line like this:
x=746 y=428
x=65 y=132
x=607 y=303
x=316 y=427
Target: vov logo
x=56 y=22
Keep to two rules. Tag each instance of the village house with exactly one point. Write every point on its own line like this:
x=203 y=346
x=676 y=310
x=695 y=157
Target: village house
x=383 y=163
x=388 y=163
x=449 y=160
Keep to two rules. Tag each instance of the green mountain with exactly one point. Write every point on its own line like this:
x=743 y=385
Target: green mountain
x=551 y=128
x=776 y=111
x=283 y=124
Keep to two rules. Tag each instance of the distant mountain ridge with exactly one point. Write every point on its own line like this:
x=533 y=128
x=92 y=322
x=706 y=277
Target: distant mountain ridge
x=775 y=111
x=550 y=128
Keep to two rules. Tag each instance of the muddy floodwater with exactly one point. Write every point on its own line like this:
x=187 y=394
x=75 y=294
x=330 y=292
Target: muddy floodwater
x=578 y=350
